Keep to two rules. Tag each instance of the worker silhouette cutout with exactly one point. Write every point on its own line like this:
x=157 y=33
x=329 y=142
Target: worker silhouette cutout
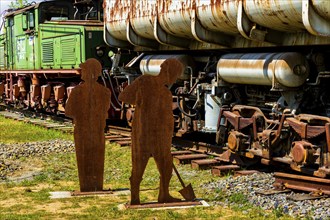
x=88 y=106
x=152 y=127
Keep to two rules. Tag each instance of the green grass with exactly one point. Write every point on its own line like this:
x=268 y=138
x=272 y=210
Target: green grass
x=29 y=199
x=14 y=131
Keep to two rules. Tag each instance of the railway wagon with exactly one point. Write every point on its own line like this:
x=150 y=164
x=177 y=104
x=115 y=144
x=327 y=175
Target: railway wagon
x=41 y=47
x=257 y=73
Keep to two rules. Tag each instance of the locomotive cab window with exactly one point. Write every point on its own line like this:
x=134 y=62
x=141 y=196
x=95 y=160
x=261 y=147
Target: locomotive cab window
x=31 y=20
x=10 y=22
x=55 y=12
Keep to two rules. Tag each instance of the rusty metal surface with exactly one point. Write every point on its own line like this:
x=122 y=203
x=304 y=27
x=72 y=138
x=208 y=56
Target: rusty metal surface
x=152 y=126
x=88 y=105
x=299 y=153
x=245 y=172
x=237 y=121
x=250 y=23
x=187 y=191
x=304 y=183
x=221 y=170
x=124 y=143
x=119 y=135
x=197 y=146
x=327 y=132
x=320 y=172
x=204 y=163
x=116 y=17
x=22 y=10
x=119 y=128
x=142 y=16
x=279 y=15
x=174 y=17
x=218 y=15
x=120 y=132
x=305 y=130
x=181 y=152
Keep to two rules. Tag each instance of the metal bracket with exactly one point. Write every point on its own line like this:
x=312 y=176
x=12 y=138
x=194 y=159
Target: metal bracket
x=244 y=25
x=114 y=42
x=313 y=22
x=203 y=35
x=137 y=40
x=164 y=38
x=249 y=30
x=327 y=132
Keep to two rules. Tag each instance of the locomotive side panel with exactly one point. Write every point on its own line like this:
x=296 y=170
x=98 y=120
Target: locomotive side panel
x=62 y=47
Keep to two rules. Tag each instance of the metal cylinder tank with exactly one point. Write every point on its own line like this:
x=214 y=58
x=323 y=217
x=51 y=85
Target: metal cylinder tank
x=136 y=21
x=174 y=17
x=142 y=16
x=277 y=14
x=322 y=7
x=116 y=17
x=150 y=65
x=219 y=16
x=288 y=69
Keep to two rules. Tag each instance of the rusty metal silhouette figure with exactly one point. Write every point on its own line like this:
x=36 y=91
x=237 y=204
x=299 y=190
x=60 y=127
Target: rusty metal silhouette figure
x=88 y=106
x=153 y=127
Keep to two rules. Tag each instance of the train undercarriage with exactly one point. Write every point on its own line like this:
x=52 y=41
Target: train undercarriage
x=270 y=122
x=40 y=92
x=283 y=122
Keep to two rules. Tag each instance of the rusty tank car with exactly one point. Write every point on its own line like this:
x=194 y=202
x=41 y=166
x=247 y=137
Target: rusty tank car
x=257 y=73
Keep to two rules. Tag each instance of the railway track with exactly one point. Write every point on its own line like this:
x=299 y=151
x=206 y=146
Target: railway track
x=113 y=134
x=39 y=119
x=199 y=155
x=206 y=156
x=118 y=135
x=316 y=186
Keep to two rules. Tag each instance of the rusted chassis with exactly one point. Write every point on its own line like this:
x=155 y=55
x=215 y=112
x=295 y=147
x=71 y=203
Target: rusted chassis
x=300 y=141
x=38 y=89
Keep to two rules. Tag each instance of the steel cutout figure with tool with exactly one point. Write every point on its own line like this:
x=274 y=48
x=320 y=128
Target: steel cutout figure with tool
x=153 y=126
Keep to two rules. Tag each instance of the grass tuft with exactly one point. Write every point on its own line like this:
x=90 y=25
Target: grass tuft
x=18 y=132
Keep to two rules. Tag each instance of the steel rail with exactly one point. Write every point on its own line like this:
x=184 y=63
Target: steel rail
x=317 y=186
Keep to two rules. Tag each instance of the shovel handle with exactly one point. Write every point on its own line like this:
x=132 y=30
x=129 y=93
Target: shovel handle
x=178 y=175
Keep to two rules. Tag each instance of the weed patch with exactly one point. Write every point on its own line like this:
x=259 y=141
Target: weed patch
x=19 y=132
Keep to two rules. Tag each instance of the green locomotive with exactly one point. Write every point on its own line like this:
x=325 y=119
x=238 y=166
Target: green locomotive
x=41 y=47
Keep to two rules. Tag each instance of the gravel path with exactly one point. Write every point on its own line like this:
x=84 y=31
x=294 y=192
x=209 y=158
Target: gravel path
x=11 y=152
x=251 y=184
